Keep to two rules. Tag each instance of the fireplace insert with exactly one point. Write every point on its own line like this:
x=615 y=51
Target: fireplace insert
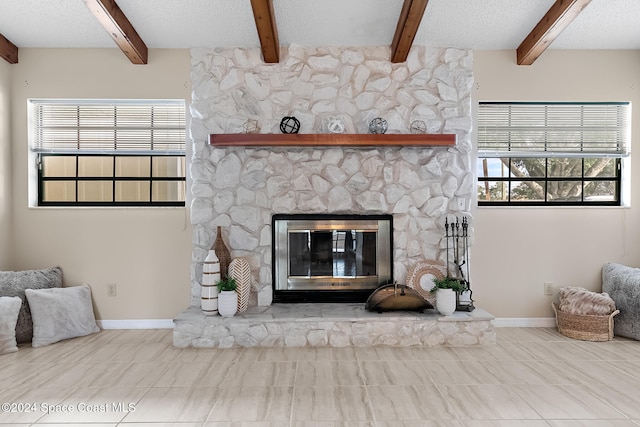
x=330 y=258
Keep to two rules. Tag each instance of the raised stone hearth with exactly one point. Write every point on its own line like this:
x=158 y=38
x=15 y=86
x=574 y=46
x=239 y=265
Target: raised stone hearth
x=331 y=325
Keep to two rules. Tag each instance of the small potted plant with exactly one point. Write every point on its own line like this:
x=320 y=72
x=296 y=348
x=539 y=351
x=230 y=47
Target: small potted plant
x=227 y=298
x=446 y=290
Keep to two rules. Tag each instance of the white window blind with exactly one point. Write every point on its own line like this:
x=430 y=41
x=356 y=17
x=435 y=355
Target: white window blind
x=108 y=126
x=554 y=129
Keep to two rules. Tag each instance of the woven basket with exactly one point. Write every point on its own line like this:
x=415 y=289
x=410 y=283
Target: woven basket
x=585 y=327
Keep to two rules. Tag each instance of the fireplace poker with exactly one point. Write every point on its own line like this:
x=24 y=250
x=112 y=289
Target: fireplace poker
x=467 y=306
x=456 y=247
x=465 y=234
x=446 y=235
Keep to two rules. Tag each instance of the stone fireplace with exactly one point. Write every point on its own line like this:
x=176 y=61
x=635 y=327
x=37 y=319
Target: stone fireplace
x=241 y=188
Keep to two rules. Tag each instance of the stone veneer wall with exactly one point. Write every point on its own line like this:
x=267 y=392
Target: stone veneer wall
x=240 y=188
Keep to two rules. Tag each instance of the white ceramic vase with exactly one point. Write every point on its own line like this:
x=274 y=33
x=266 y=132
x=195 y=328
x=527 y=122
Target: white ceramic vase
x=446 y=301
x=227 y=303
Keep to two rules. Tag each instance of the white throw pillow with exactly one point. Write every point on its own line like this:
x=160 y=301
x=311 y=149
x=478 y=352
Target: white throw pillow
x=61 y=313
x=9 y=310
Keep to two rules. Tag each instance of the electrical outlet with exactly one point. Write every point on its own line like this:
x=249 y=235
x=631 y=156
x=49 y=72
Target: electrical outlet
x=111 y=289
x=548 y=288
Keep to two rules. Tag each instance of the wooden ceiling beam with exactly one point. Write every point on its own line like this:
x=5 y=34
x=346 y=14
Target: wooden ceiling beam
x=408 y=23
x=109 y=14
x=267 y=30
x=559 y=16
x=8 y=50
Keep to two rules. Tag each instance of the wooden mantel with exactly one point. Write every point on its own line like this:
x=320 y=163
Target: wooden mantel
x=331 y=139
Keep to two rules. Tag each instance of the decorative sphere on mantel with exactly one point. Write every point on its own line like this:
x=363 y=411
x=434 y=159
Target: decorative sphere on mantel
x=335 y=125
x=289 y=124
x=418 y=127
x=378 y=125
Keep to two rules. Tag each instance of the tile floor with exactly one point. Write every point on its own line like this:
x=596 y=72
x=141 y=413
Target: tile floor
x=532 y=377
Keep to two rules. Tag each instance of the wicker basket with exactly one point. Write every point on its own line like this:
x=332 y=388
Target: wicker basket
x=585 y=327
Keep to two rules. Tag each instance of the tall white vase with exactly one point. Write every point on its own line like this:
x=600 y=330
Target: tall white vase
x=209 y=290
x=446 y=301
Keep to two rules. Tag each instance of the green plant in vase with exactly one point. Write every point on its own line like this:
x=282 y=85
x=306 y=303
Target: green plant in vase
x=448 y=283
x=446 y=290
x=227 y=298
x=227 y=284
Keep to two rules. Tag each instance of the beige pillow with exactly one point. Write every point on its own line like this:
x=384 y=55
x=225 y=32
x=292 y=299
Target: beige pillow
x=61 y=313
x=575 y=300
x=9 y=310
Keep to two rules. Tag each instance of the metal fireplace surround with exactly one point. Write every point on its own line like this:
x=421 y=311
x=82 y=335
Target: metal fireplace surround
x=330 y=258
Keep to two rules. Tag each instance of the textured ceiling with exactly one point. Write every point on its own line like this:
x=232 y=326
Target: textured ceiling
x=475 y=24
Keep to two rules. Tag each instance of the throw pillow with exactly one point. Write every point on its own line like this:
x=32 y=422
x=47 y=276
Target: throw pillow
x=622 y=282
x=14 y=283
x=9 y=310
x=576 y=300
x=61 y=313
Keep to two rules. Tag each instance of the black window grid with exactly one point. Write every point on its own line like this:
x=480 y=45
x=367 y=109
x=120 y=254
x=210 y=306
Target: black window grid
x=509 y=180
x=76 y=179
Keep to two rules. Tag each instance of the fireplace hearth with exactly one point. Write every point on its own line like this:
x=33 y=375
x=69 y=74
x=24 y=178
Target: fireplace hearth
x=330 y=258
x=332 y=325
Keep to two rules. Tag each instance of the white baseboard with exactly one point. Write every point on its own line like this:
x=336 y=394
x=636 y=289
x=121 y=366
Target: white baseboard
x=136 y=324
x=524 y=322
x=501 y=322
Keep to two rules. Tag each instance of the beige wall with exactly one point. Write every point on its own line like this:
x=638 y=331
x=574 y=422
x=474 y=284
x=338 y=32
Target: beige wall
x=516 y=250
x=146 y=252
x=5 y=166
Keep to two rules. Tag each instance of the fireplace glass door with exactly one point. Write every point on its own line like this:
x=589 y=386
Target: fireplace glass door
x=330 y=256
x=337 y=253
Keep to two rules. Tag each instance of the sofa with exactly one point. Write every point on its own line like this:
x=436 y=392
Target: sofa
x=622 y=283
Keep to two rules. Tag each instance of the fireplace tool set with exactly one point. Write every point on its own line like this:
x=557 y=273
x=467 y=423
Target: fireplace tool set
x=457 y=238
x=399 y=297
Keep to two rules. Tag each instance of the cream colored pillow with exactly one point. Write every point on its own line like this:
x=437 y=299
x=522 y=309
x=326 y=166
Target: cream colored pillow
x=61 y=313
x=9 y=310
x=576 y=300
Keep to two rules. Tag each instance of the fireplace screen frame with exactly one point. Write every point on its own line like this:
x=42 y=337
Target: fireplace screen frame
x=329 y=288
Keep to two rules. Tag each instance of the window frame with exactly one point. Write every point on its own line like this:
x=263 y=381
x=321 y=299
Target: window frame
x=619 y=178
x=77 y=179
x=138 y=147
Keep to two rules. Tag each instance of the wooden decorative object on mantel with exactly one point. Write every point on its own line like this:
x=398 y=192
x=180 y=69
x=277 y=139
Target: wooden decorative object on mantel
x=319 y=140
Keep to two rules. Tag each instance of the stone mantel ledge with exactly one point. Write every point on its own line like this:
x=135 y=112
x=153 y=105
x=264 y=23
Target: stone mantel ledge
x=331 y=325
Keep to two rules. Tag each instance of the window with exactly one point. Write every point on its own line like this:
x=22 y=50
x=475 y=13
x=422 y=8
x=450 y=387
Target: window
x=109 y=153
x=559 y=154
